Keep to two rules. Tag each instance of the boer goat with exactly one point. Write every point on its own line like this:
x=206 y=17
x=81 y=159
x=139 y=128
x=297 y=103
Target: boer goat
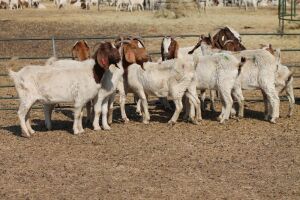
x=259 y=72
x=65 y=81
x=171 y=78
x=133 y=51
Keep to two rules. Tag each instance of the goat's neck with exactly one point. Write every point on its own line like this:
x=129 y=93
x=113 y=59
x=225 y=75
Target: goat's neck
x=98 y=73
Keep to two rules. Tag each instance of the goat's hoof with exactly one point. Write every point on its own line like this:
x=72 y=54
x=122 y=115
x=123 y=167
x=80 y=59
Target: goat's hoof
x=222 y=121
x=106 y=128
x=48 y=127
x=195 y=122
x=171 y=122
x=125 y=120
x=32 y=132
x=145 y=122
x=273 y=121
x=81 y=131
x=97 y=128
x=25 y=135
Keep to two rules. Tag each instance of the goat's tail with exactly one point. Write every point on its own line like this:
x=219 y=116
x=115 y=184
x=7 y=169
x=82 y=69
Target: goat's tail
x=243 y=60
x=14 y=76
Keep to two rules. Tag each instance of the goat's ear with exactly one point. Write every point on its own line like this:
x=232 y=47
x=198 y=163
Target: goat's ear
x=129 y=56
x=176 y=49
x=270 y=46
x=86 y=44
x=74 y=46
x=201 y=37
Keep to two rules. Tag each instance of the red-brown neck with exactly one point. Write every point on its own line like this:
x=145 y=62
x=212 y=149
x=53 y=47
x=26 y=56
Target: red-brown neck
x=98 y=72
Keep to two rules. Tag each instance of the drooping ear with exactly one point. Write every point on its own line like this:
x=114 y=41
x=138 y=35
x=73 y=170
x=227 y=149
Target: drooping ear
x=130 y=56
x=210 y=39
x=176 y=49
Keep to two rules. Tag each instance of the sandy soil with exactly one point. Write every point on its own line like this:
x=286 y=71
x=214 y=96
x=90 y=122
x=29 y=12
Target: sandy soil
x=246 y=159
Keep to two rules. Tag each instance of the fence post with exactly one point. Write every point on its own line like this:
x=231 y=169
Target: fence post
x=53 y=46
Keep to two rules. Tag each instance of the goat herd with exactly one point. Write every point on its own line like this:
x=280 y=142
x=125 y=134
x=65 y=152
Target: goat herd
x=219 y=63
x=130 y=4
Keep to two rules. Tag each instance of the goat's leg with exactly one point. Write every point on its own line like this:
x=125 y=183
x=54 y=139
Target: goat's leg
x=123 y=94
x=80 y=128
x=194 y=102
x=104 y=114
x=238 y=95
x=202 y=99
x=111 y=107
x=228 y=102
x=291 y=98
x=88 y=112
x=221 y=116
x=178 y=108
x=24 y=108
x=267 y=114
x=48 y=108
x=28 y=125
x=212 y=100
x=145 y=111
x=97 y=111
x=275 y=103
x=77 y=113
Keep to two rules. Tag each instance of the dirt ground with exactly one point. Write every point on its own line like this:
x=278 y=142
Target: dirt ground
x=245 y=159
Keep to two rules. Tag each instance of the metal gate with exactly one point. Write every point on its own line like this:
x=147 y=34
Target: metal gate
x=287 y=13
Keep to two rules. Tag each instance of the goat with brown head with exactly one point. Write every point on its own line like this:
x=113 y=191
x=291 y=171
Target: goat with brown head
x=81 y=50
x=106 y=55
x=133 y=51
x=169 y=48
x=228 y=39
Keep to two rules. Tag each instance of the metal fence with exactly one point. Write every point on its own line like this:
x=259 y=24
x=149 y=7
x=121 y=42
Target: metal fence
x=53 y=40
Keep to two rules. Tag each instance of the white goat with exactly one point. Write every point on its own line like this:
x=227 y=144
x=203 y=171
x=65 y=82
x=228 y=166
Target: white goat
x=120 y=3
x=137 y=3
x=14 y=4
x=248 y=2
x=259 y=72
x=102 y=101
x=50 y=85
x=60 y=3
x=220 y=72
x=172 y=78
